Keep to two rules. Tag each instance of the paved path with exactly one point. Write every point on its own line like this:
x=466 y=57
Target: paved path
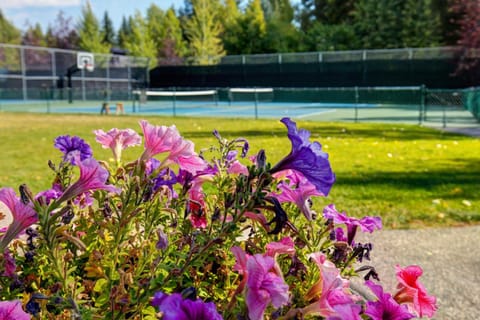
x=468 y=131
x=450 y=258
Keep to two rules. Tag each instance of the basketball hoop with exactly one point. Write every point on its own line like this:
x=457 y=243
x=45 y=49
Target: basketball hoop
x=85 y=60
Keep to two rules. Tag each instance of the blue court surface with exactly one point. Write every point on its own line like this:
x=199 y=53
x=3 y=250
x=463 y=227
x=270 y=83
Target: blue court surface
x=261 y=110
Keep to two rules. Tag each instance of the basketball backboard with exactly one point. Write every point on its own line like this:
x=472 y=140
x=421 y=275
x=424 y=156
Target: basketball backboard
x=85 y=60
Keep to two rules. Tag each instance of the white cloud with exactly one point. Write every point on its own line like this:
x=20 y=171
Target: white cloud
x=16 y=4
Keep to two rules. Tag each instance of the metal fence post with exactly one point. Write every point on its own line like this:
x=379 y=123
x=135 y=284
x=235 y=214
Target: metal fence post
x=422 y=116
x=357 y=98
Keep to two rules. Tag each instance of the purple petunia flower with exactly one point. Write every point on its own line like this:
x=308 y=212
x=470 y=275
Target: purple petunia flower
x=12 y=310
x=71 y=147
x=366 y=224
x=92 y=177
x=298 y=190
x=307 y=158
x=385 y=307
x=174 y=307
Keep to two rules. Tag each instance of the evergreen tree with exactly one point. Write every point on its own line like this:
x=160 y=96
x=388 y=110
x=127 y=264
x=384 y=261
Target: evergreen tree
x=107 y=30
x=8 y=32
x=89 y=32
x=378 y=23
x=9 y=57
x=281 y=35
x=330 y=12
x=124 y=32
x=203 y=31
x=420 y=24
x=330 y=37
x=140 y=42
x=33 y=36
x=253 y=29
x=174 y=46
x=231 y=16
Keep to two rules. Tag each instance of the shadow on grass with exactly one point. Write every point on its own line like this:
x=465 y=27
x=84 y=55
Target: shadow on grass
x=353 y=131
x=459 y=181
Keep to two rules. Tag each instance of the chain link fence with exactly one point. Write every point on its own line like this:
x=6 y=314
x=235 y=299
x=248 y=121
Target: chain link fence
x=29 y=73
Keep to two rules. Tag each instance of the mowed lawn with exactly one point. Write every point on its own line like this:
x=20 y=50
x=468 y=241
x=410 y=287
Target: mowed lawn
x=411 y=176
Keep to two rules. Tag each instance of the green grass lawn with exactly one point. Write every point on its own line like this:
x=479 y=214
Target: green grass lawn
x=410 y=176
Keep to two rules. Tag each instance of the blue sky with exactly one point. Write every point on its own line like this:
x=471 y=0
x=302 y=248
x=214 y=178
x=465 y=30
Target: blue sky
x=45 y=11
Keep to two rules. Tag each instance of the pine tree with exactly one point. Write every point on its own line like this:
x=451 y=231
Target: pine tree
x=140 y=42
x=89 y=32
x=203 y=31
x=420 y=24
x=174 y=46
x=378 y=23
x=253 y=28
x=8 y=32
x=281 y=34
x=231 y=16
x=107 y=31
x=124 y=33
x=33 y=36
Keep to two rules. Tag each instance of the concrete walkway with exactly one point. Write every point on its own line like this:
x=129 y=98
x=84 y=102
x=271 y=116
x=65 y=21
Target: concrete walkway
x=468 y=131
x=449 y=257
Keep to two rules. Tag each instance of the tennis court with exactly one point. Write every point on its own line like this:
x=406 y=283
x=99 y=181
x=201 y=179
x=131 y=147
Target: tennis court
x=260 y=104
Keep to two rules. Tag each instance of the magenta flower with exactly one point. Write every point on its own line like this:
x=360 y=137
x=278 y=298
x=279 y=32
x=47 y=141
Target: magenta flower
x=23 y=216
x=297 y=190
x=160 y=139
x=73 y=147
x=10 y=265
x=284 y=246
x=118 y=140
x=330 y=293
x=12 y=310
x=385 y=307
x=92 y=177
x=264 y=286
x=174 y=307
x=196 y=207
x=413 y=293
x=307 y=158
x=46 y=196
x=366 y=224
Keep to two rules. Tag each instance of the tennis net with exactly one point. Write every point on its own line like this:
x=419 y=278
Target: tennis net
x=152 y=100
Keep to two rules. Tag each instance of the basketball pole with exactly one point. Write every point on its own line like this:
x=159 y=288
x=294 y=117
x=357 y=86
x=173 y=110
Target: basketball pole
x=73 y=69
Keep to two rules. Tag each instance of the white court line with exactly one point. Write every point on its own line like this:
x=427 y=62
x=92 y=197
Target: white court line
x=316 y=113
x=222 y=111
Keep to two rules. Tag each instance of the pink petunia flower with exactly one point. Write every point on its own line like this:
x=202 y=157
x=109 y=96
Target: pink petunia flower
x=331 y=295
x=264 y=286
x=297 y=190
x=237 y=168
x=22 y=216
x=12 y=310
x=92 y=177
x=284 y=246
x=160 y=139
x=366 y=224
x=117 y=140
x=413 y=293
